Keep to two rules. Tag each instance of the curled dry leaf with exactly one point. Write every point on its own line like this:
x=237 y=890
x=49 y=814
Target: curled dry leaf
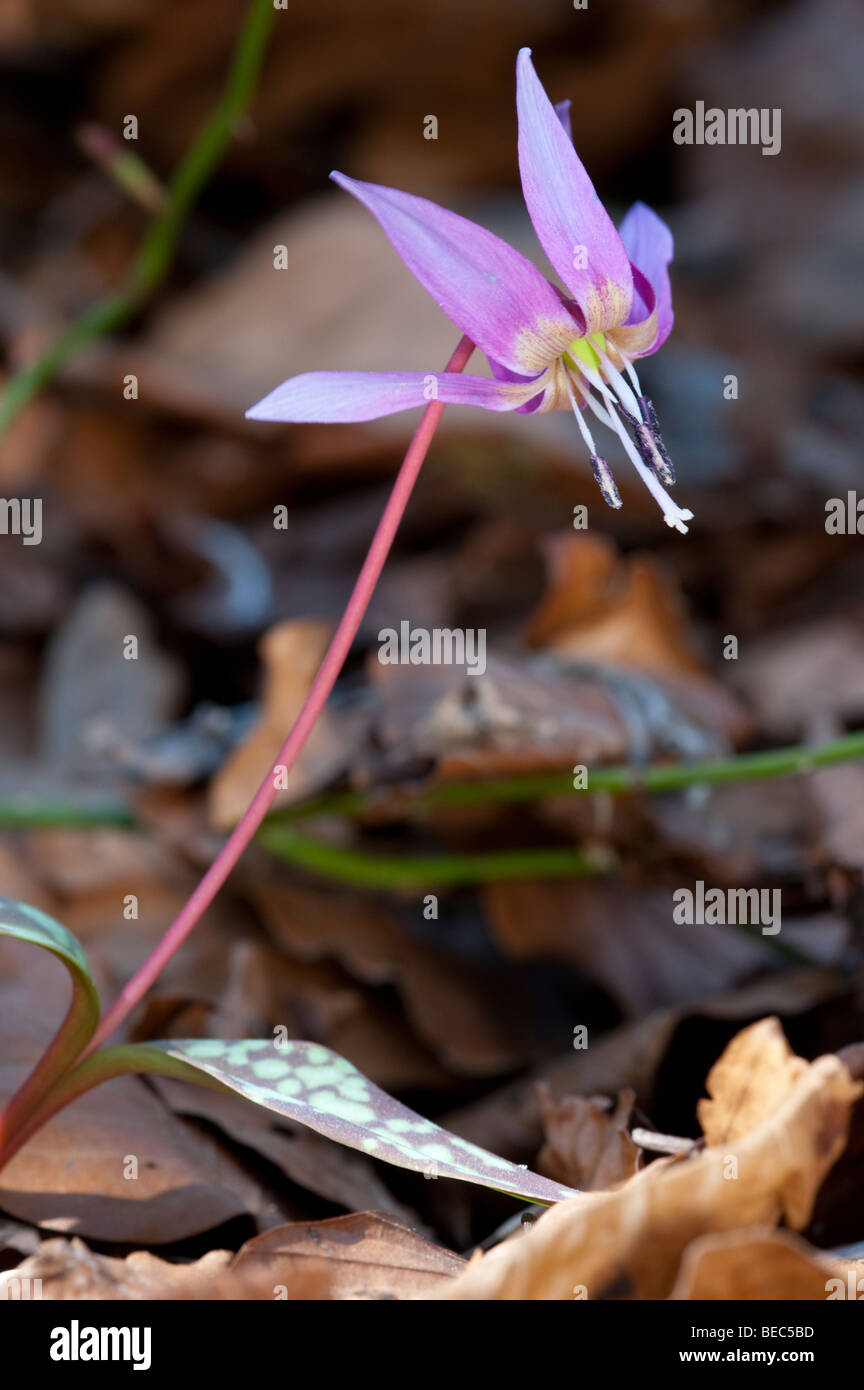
x=627 y=617
x=762 y=1264
x=370 y=1255
x=509 y=1120
x=755 y=1075
x=587 y=1144
x=366 y=1256
x=629 y=1243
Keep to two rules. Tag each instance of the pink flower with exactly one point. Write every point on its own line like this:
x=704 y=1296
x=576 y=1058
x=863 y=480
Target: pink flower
x=548 y=349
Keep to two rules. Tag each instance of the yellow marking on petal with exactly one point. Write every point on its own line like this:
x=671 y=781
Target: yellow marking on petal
x=605 y=306
x=539 y=343
x=632 y=338
x=555 y=383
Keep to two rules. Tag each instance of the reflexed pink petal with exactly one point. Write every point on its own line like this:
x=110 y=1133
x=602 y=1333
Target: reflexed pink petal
x=562 y=111
x=504 y=374
x=343 y=397
x=638 y=336
x=650 y=247
x=568 y=217
x=489 y=290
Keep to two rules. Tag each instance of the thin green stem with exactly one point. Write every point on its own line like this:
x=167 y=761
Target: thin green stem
x=419 y=871
x=654 y=777
x=157 y=250
x=456 y=870
x=199 y=162
x=391 y=872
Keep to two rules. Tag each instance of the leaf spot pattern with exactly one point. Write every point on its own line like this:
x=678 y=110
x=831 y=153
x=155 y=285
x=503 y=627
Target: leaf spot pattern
x=314 y=1086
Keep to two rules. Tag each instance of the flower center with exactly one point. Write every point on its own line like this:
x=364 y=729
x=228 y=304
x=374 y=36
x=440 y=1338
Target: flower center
x=588 y=351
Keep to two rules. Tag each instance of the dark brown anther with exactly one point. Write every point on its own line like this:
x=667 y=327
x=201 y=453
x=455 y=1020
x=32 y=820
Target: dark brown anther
x=605 y=481
x=651 y=449
x=651 y=417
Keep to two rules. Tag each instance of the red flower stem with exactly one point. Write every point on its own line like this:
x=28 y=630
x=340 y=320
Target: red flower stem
x=315 y=701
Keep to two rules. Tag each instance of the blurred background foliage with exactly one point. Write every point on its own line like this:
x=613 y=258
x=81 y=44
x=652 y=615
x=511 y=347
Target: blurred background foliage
x=607 y=646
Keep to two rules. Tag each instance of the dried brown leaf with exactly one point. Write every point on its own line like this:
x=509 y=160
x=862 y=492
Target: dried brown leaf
x=759 y=1265
x=69 y=1270
x=587 y=1143
x=621 y=612
x=755 y=1075
x=366 y=1256
x=629 y=1242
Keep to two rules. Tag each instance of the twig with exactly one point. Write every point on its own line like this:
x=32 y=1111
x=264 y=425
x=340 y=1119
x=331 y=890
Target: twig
x=664 y=1143
x=115 y=158
x=156 y=253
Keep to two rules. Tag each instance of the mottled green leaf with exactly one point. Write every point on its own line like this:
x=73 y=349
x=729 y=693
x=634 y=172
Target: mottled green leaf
x=303 y=1081
x=314 y=1086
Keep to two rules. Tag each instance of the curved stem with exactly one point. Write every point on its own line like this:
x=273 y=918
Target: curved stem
x=315 y=700
x=67 y=1044
x=111 y=1062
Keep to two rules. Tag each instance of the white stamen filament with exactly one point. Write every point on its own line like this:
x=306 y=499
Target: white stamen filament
x=591 y=375
x=631 y=372
x=586 y=433
x=673 y=515
x=625 y=395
